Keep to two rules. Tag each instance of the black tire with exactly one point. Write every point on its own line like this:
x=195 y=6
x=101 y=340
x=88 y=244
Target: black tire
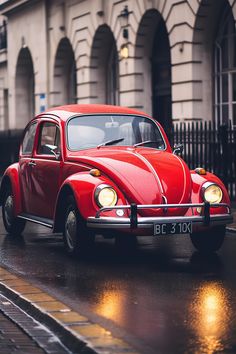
x=12 y=224
x=210 y=240
x=76 y=236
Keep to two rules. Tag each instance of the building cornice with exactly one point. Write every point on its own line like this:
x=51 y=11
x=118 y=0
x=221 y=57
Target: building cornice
x=9 y=6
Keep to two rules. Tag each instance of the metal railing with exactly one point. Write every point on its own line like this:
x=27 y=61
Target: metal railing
x=210 y=146
x=205 y=144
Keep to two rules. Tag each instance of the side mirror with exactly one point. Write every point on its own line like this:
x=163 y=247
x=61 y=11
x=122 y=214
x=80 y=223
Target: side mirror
x=54 y=151
x=56 y=154
x=178 y=149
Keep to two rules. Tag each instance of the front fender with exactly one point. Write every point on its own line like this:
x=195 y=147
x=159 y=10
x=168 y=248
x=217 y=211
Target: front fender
x=11 y=179
x=82 y=186
x=197 y=183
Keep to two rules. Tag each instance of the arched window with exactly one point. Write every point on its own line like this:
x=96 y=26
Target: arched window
x=225 y=69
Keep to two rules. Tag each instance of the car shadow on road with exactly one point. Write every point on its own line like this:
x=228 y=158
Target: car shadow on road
x=163 y=256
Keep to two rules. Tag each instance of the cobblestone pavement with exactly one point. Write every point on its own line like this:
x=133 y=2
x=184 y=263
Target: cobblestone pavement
x=14 y=340
x=22 y=334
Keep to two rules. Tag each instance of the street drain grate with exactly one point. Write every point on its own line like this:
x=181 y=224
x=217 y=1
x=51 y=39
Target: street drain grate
x=37 y=332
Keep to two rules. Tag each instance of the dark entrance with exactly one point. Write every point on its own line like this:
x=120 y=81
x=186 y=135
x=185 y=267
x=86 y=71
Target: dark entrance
x=104 y=63
x=64 y=80
x=161 y=77
x=25 y=105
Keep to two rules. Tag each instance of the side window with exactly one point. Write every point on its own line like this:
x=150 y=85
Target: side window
x=28 y=141
x=49 y=140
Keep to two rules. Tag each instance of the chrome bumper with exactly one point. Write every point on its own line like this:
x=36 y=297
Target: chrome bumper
x=135 y=222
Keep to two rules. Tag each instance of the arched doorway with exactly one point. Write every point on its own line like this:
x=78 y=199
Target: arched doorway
x=24 y=84
x=161 y=77
x=152 y=53
x=64 y=78
x=104 y=66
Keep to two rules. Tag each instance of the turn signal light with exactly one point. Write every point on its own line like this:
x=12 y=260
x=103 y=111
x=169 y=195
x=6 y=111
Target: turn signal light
x=95 y=172
x=200 y=171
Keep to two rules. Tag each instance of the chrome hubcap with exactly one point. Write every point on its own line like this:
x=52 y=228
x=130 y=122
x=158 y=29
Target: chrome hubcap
x=8 y=210
x=71 y=229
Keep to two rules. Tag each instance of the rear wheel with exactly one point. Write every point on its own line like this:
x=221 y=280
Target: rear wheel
x=77 y=237
x=13 y=225
x=210 y=240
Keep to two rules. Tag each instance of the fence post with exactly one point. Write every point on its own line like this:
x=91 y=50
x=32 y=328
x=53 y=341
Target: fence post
x=223 y=132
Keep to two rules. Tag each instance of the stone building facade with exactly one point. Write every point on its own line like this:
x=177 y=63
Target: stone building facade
x=175 y=59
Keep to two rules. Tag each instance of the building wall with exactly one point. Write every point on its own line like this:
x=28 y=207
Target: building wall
x=3 y=85
x=41 y=25
x=3 y=96
x=27 y=29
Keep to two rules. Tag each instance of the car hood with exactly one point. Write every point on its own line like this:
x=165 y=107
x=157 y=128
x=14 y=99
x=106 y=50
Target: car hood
x=145 y=176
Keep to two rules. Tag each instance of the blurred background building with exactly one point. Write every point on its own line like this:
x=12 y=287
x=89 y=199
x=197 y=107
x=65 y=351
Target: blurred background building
x=174 y=59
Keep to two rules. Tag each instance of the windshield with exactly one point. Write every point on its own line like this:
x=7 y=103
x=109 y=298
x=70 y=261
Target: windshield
x=86 y=132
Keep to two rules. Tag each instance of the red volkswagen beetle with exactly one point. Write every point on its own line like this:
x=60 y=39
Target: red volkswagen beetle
x=95 y=169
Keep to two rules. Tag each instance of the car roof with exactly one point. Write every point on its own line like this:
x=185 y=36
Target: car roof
x=66 y=111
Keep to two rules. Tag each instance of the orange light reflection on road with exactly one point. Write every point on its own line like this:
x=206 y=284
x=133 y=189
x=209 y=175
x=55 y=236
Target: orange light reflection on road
x=111 y=305
x=210 y=316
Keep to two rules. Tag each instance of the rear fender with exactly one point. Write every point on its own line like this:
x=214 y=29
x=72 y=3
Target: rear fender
x=82 y=186
x=10 y=179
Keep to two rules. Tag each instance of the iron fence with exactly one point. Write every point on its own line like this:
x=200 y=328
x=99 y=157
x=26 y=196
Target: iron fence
x=210 y=146
x=205 y=144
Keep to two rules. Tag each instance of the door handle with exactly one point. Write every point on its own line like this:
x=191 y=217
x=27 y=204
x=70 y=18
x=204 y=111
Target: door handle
x=32 y=163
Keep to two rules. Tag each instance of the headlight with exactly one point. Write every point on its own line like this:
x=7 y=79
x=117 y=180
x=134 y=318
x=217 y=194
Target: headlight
x=212 y=193
x=105 y=196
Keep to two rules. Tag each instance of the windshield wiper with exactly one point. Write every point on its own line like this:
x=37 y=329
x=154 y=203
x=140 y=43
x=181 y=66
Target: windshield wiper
x=144 y=143
x=110 y=142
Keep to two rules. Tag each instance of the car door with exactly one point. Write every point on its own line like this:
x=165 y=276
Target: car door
x=25 y=165
x=45 y=170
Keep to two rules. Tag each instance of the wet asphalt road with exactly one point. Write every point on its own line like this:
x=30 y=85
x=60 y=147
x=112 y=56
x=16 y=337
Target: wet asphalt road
x=161 y=298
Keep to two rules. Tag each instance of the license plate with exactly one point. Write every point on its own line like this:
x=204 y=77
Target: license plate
x=173 y=228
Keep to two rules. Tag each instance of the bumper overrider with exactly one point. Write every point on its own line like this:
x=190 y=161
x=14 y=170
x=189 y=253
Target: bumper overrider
x=137 y=222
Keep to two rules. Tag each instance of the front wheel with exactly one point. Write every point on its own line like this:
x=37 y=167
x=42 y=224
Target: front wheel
x=13 y=225
x=210 y=240
x=77 y=237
